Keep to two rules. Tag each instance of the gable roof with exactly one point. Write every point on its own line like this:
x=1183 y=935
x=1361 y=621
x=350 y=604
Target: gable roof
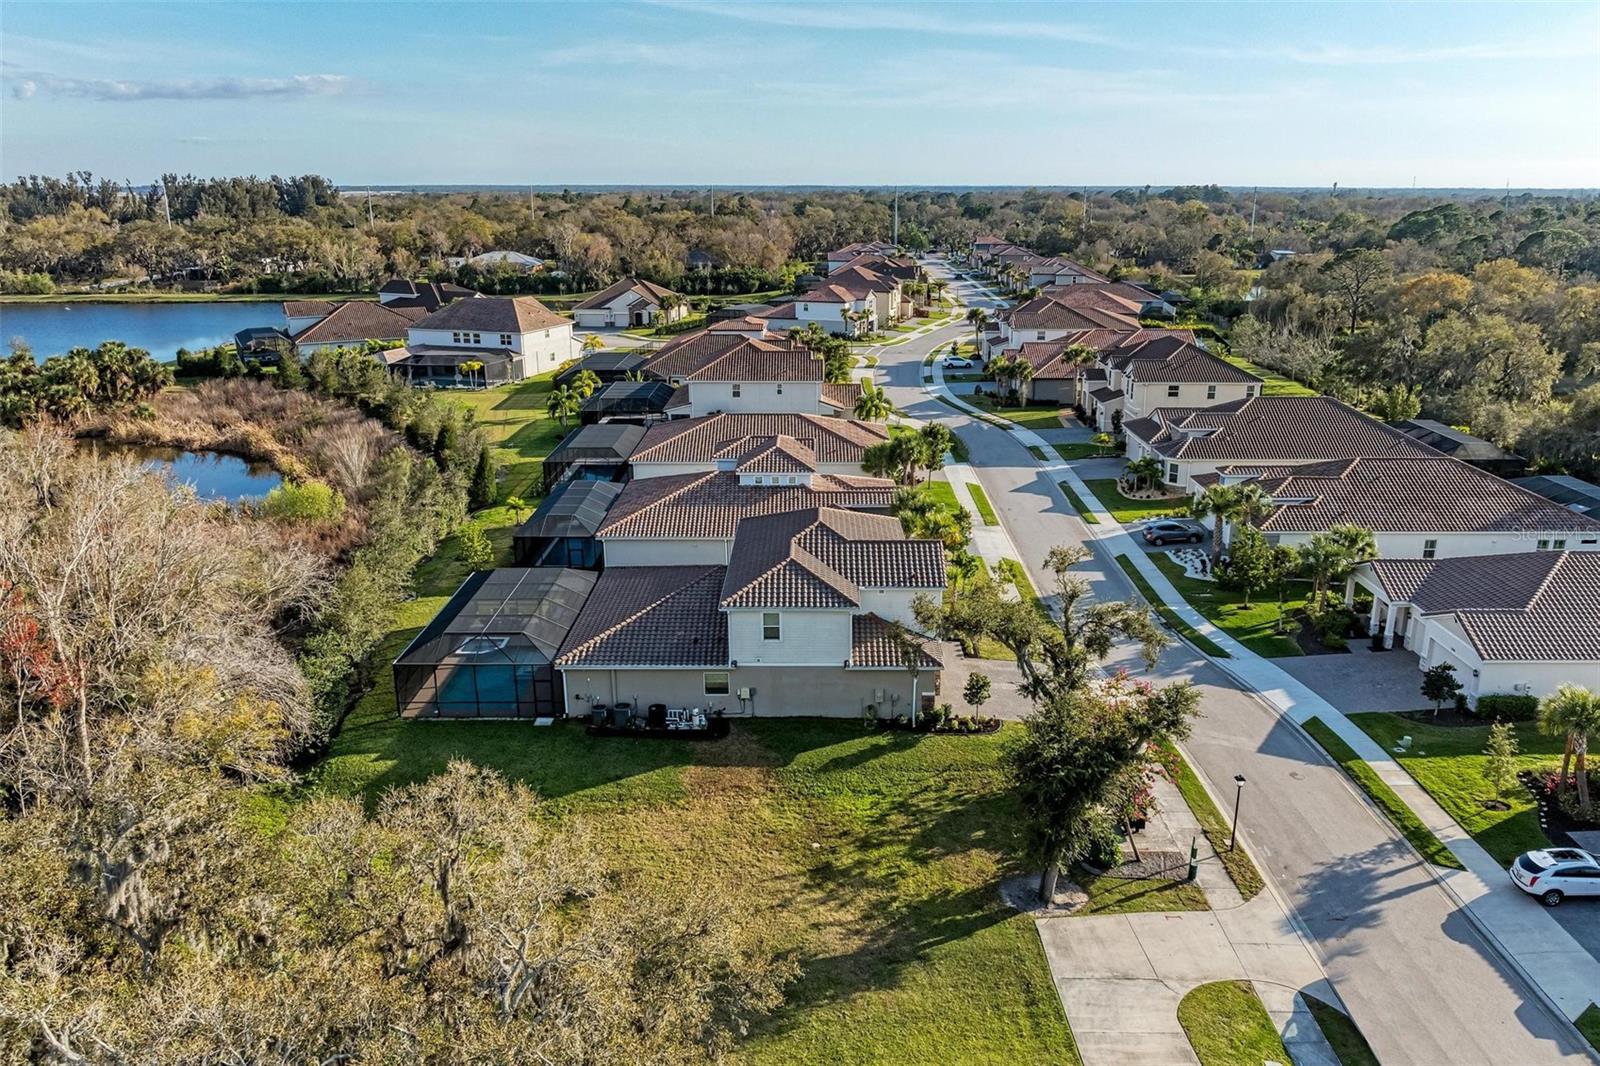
x=872 y=647
x=494 y=314
x=1527 y=607
x=650 y=616
x=428 y=295
x=1171 y=360
x=649 y=291
x=1046 y=312
x=1271 y=429
x=1420 y=494
x=360 y=320
x=821 y=557
x=708 y=355
x=710 y=505
x=1058 y=265
x=712 y=437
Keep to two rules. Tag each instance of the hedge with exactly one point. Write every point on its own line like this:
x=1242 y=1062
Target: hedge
x=1508 y=707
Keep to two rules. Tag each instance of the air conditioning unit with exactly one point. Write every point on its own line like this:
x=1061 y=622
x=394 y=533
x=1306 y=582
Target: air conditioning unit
x=1520 y=686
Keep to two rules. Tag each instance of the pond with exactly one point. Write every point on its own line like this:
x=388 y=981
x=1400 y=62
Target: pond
x=213 y=475
x=160 y=328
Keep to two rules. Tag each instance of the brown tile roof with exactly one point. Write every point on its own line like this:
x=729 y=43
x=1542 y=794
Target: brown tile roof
x=1271 y=429
x=834 y=292
x=1042 y=312
x=776 y=455
x=495 y=314
x=1059 y=266
x=841 y=395
x=1415 y=494
x=821 y=558
x=889 y=266
x=307 y=308
x=712 y=437
x=872 y=648
x=1116 y=297
x=358 y=320
x=710 y=505
x=743 y=324
x=859 y=281
x=646 y=290
x=861 y=248
x=714 y=356
x=650 y=616
x=1527 y=607
x=1169 y=360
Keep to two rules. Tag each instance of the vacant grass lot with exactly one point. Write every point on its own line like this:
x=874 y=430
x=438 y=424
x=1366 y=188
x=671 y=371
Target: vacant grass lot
x=1126 y=510
x=1448 y=763
x=874 y=858
x=1228 y=1026
x=1252 y=625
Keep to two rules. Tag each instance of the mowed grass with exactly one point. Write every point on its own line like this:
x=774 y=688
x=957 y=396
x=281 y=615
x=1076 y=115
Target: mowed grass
x=1448 y=763
x=1077 y=502
x=873 y=859
x=1126 y=510
x=1349 y=1046
x=1236 y=861
x=1228 y=1026
x=1115 y=895
x=1273 y=384
x=980 y=500
x=1252 y=625
x=514 y=419
x=1168 y=615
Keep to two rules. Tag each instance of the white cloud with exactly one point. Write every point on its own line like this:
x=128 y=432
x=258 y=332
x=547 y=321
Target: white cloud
x=888 y=17
x=121 y=90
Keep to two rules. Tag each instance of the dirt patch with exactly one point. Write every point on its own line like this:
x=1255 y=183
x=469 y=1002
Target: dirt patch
x=1022 y=893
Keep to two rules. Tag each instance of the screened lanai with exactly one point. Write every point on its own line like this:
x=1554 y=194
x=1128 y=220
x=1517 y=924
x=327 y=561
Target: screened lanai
x=561 y=532
x=488 y=653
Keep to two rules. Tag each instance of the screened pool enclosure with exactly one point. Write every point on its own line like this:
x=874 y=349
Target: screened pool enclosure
x=489 y=652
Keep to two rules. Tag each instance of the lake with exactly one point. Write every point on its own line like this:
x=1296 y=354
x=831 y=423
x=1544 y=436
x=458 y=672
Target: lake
x=213 y=475
x=160 y=328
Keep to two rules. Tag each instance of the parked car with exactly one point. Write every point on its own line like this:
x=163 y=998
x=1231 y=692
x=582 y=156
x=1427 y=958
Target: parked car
x=955 y=362
x=1174 y=531
x=1553 y=874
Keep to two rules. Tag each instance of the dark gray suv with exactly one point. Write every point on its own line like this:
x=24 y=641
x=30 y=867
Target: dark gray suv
x=1174 y=531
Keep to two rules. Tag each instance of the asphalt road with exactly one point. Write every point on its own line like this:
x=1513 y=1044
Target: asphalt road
x=1411 y=969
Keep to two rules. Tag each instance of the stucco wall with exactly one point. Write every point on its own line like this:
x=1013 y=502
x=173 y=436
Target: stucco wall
x=804 y=637
x=666 y=551
x=832 y=692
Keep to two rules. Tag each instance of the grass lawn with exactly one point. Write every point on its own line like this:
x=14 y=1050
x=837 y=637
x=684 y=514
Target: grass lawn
x=1241 y=871
x=1048 y=417
x=1251 y=626
x=945 y=493
x=981 y=500
x=1125 y=510
x=1448 y=763
x=1588 y=1024
x=873 y=858
x=1349 y=1046
x=1404 y=819
x=1115 y=895
x=1077 y=502
x=1081 y=450
x=1228 y=1026
x=1171 y=617
x=519 y=427
x=1015 y=573
x=1273 y=384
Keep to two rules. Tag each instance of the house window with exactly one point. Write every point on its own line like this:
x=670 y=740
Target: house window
x=1249 y=390
x=1172 y=472
x=780 y=388
x=769 y=626
x=1430 y=548
x=1211 y=392
x=735 y=390
x=1039 y=335
x=716 y=683
x=793 y=480
x=464 y=337
x=1544 y=544
x=1172 y=390
x=1559 y=544
x=505 y=340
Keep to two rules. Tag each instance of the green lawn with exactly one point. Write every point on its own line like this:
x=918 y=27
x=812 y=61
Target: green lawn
x=517 y=424
x=873 y=858
x=1448 y=763
x=1251 y=625
x=1081 y=450
x=1273 y=384
x=1349 y=1046
x=1077 y=502
x=1115 y=895
x=1404 y=819
x=1043 y=416
x=1236 y=861
x=1228 y=1026
x=1016 y=574
x=1126 y=510
x=1171 y=617
x=980 y=500
x=1588 y=1024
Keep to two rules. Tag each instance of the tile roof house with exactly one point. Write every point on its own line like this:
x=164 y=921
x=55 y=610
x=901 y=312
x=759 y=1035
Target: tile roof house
x=1261 y=431
x=732 y=441
x=799 y=622
x=630 y=302
x=428 y=295
x=1520 y=624
x=1418 y=506
x=731 y=367
x=903 y=268
x=1056 y=270
x=513 y=337
x=349 y=324
x=682 y=519
x=1157 y=368
x=838 y=257
x=1053 y=315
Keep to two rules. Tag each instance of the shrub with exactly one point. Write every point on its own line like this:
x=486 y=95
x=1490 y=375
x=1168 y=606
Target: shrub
x=1508 y=706
x=13 y=282
x=314 y=502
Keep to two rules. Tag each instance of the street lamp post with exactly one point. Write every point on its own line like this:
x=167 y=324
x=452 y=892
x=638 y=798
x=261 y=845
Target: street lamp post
x=1233 y=835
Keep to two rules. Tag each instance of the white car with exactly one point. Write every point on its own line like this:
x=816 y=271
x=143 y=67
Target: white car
x=1556 y=873
x=955 y=362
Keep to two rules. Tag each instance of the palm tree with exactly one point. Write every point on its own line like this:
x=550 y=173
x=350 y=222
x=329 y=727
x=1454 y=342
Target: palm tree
x=1218 y=503
x=1254 y=504
x=979 y=318
x=1145 y=468
x=1574 y=711
x=472 y=366
x=593 y=343
x=873 y=404
x=584 y=383
x=1331 y=556
x=1320 y=557
x=563 y=404
x=1021 y=374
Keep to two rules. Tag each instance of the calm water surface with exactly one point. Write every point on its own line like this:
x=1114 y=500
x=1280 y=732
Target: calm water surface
x=51 y=329
x=214 y=476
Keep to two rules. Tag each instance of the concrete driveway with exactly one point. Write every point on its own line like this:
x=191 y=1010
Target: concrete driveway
x=1361 y=680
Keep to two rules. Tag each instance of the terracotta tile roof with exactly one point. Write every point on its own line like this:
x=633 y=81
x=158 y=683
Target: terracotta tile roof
x=710 y=505
x=494 y=314
x=1116 y=297
x=859 y=281
x=1418 y=494
x=861 y=248
x=1271 y=429
x=890 y=266
x=712 y=437
x=1527 y=607
x=1168 y=360
x=821 y=558
x=1041 y=312
x=307 y=308
x=872 y=648
x=833 y=292
x=650 y=616
x=646 y=290
x=743 y=324
x=358 y=320
x=841 y=395
x=776 y=455
x=716 y=356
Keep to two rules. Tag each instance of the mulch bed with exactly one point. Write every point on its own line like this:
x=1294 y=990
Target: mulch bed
x=1151 y=865
x=1556 y=823
x=1310 y=641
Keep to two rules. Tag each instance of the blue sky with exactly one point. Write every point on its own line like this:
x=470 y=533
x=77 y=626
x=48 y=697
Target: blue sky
x=810 y=92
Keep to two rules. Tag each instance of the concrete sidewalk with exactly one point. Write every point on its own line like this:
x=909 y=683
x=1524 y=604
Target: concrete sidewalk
x=1562 y=972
